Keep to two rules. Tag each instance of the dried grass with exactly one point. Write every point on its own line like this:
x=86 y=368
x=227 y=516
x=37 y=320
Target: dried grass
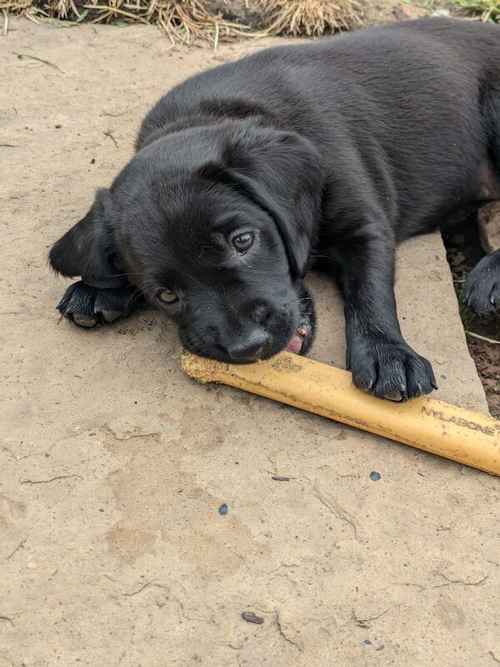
x=311 y=18
x=189 y=20
x=486 y=10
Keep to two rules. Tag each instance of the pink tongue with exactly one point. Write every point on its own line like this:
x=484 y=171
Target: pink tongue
x=295 y=345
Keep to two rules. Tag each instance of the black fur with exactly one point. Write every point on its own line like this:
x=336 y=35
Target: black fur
x=332 y=151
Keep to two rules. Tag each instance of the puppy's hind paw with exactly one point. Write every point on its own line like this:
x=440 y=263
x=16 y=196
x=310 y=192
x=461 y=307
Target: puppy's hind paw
x=86 y=305
x=482 y=287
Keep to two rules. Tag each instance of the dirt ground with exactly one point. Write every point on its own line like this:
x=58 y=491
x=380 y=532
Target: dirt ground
x=113 y=465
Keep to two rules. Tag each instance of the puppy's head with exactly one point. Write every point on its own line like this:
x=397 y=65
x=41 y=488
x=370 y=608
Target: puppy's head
x=215 y=226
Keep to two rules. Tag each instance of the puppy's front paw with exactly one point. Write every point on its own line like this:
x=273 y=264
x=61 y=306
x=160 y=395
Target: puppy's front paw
x=88 y=306
x=482 y=287
x=390 y=369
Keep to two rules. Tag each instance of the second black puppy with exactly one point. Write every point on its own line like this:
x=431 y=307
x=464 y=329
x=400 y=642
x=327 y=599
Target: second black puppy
x=245 y=174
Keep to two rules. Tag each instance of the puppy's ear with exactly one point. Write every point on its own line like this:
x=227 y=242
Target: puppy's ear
x=282 y=173
x=87 y=249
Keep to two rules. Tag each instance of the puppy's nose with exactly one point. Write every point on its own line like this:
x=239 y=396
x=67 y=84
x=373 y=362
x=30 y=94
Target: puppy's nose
x=247 y=348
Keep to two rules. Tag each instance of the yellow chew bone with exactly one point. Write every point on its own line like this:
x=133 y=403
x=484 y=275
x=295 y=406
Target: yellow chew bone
x=434 y=426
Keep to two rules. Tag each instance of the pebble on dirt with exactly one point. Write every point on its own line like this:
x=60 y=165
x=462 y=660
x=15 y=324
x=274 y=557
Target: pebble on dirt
x=250 y=617
x=223 y=509
x=375 y=476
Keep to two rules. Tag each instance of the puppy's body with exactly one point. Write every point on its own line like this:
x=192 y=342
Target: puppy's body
x=395 y=112
x=337 y=149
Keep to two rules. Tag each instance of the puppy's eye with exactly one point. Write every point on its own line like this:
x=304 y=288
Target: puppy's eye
x=243 y=242
x=167 y=296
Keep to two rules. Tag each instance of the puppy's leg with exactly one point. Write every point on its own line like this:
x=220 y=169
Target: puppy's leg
x=380 y=359
x=482 y=287
x=87 y=305
x=87 y=250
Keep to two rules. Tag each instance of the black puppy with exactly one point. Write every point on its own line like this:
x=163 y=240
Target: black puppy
x=329 y=152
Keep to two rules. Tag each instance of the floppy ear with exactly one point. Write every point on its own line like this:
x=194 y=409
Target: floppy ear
x=280 y=172
x=87 y=249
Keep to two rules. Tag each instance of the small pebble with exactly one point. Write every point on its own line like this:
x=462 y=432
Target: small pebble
x=366 y=642
x=250 y=617
x=280 y=478
x=223 y=509
x=375 y=476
